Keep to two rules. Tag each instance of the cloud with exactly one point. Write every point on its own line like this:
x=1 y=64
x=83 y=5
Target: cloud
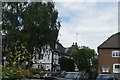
x=85 y=0
x=94 y=21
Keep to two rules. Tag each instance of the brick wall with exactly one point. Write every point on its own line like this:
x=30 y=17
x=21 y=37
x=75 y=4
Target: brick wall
x=105 y=58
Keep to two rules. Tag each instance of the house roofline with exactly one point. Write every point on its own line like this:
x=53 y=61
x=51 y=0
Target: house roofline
x=100 y=46
x=60 y=53
x=108 y=48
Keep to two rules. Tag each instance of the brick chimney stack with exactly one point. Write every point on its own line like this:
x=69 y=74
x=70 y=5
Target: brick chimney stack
x=74 y=48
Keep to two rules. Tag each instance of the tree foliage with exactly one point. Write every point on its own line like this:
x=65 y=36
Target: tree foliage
x=84 y=57
x=34 y=23
x=67 y=64
x=12 y=73
x=18 y=56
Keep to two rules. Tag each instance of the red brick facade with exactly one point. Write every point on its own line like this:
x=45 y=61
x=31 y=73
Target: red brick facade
x=109 y=55
x=105 y=58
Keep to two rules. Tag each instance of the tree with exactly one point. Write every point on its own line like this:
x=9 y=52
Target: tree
x=85 y=60
x=17 y=62
x=18 y=56
x=67 y=64
x=34 y=23
x=84 y=57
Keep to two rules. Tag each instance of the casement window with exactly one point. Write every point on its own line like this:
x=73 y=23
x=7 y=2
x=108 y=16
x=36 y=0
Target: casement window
x=105 y=68
x=116 y=68
x=115 y=53
x=41 y=56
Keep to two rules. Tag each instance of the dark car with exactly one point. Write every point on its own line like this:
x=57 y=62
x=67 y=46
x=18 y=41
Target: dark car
x=48 y=75
x=71 y=76
x=107 y=77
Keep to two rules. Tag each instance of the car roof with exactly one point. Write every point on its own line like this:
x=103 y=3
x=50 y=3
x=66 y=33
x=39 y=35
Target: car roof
x=72 y=72
x=107 y=74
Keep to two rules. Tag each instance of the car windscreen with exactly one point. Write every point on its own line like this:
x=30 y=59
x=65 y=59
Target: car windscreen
x=71 y=75
x=48 y=74
x=107 y=76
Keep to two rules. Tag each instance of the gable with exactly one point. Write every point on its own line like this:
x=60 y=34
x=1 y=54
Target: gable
x=112 y=42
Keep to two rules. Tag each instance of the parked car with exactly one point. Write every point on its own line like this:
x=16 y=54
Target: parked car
x=72 y=76
x=107 y=77
x=59 y=73
x=47 y=75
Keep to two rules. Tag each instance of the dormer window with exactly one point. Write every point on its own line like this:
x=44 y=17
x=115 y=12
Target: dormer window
x=115 y=53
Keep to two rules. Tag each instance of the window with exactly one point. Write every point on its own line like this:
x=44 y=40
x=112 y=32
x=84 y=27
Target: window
x=115 y=53
x=41 y=56
x=105 y=68
x=48 y=56
x=47 y=66
x=38 y=66
x=116 y=68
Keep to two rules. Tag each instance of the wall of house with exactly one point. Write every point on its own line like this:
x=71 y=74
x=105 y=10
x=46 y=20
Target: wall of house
x=105 y=58
x=44 y=62
x=46 y=66
x=56 y=65
x=49 y=60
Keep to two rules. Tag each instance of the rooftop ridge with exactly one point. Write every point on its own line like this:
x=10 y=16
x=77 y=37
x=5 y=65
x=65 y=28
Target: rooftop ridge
x=111 y=42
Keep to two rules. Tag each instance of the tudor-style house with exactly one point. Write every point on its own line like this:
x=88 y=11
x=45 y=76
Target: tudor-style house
x=49 y=60
x=109 y=55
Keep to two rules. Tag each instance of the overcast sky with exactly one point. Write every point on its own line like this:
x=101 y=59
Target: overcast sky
x=93 y=21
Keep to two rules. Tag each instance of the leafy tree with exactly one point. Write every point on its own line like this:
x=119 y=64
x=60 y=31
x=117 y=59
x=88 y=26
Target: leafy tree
x=34 y=23
x=17 y=60
x=67 y=64
x=12 y=73
x=83 y=58
x=18 y=56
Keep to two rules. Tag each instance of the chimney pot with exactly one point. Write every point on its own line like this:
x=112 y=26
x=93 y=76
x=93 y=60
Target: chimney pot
x=76 y=43
x=73 y=43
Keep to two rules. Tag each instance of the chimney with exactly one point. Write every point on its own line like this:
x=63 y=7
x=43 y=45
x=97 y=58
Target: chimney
x=73 y=44
x=76 y=43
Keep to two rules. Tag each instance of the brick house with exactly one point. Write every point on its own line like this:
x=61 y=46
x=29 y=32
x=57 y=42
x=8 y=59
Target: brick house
x=109 y=55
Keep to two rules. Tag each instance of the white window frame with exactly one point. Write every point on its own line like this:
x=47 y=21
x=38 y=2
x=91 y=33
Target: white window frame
x=116 y=53
x=116 y=70
x=105 y=68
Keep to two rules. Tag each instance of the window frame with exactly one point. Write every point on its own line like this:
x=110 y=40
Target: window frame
x=116 y=53
x=105 y=68
x=116 y=70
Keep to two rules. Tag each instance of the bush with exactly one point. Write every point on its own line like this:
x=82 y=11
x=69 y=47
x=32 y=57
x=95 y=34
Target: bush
x=67 y=64
x=12 y=72
x=35 y=76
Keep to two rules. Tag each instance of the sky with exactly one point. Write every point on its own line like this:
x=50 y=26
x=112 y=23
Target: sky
x=94 y=22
